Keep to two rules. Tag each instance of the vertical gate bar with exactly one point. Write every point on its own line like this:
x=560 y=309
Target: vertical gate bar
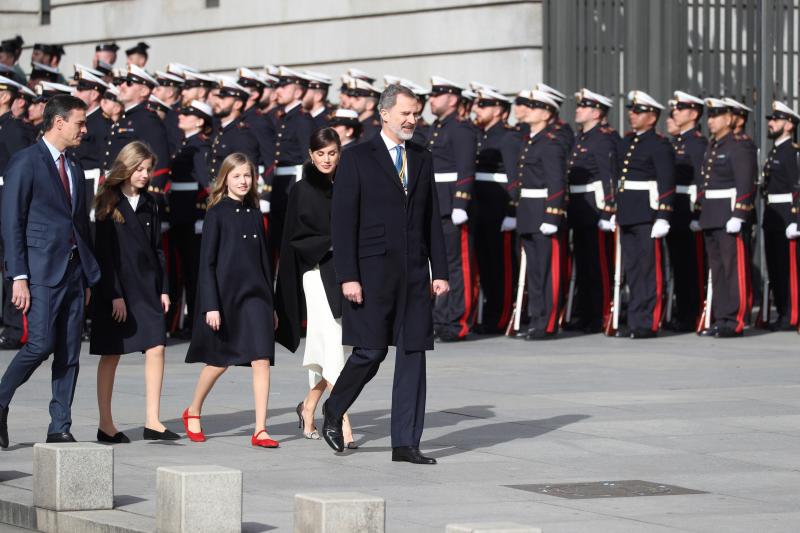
x=727 y=72
x=716 y=40
x=789 y=53
x=741 y=22
x=706 y=34
x=778 y=38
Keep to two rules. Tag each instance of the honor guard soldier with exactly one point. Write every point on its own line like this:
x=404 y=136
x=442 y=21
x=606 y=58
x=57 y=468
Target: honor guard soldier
x=520 y=109
x=169 y=91
x=137 y=123
x=137 y=55
x=347 y=126
x=105 y=53
x=685 y=241
x=646 y=191
x=187 y=198
x=344 y=100
x=726 y=209
x=293 y=129
x=740 y=114
x=196 y=87
x=41 y=72
x=233 y=134
x=496 y=158
x=110 y=105
x=10 y=50
x=315 y=102
x=591 y=174
x=260 y=124
x=363 y=99
x=14 y=136
x=44 y=91
x=780 y=177
x=90 y=88
x=540 y=193
x=453 y=144
x=465 y=102
x=559 y=127
x=347 y=79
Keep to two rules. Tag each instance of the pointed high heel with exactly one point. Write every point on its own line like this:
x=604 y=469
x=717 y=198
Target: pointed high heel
x=313 y=435
x=263 y=443
x=194 y=437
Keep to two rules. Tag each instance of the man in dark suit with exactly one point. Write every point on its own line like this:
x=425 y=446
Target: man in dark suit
x=45 y=227
x=386 y=232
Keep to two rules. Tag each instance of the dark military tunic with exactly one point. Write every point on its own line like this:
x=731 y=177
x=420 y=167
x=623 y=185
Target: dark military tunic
x=371 y=127
x=498 y=150
x=174 y=133
x=453 y=144
x=234 y=136
x=322 y=118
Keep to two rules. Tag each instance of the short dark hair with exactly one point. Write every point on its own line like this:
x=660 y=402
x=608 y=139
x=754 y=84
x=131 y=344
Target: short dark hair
x=322 y=138
x=389 y=95
x=60 y=105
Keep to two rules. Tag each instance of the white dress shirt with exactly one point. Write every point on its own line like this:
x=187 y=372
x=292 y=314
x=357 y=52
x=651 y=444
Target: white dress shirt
x=56 y=154
x=392 y=147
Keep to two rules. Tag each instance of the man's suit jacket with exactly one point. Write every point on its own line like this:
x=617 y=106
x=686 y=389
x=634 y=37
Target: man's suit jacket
x=386 y=240
x=37 y=222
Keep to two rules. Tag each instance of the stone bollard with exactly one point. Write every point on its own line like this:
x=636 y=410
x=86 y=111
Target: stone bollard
x=339 y=512
x=73 y=476
x=198 y=499
x=491 y=527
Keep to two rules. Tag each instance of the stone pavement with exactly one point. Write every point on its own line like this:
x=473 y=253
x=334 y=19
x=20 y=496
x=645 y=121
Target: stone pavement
x=718 y=416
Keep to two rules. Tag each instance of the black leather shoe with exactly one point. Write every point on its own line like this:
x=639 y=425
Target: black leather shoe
x=539 y=335
x=709 y=332
x=446 y=337
x=118 y=438
x=4 y=428
x=152 y=434
x=411 y=454
x=9 y=344
x=60 y=437
x=576 y=325
x=332 y=430
x=728 y=333
x=643 y=334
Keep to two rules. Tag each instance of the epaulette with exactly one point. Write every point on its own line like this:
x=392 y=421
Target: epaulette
x=741 y=136
x=607 y=130
x=629 y=133
x=242 y=125
x=796 y=146
x=551 y=135
x=698 y=134
x=557 y=125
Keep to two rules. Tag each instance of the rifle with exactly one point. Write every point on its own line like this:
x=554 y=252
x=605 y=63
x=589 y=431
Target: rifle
x=571 y=292
x=705 y=317
x=611 y=325
x=516 y=313
x=670 y=281
x=762 y=321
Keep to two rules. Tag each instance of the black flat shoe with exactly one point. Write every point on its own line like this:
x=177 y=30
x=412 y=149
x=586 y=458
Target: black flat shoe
x=9 y=344
x=60 y=437
x=118 y=438
x=332 y=430
x=411 y=454
x=152 y=434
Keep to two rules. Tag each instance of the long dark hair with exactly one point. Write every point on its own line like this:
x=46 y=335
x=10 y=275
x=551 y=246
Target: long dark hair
x=322 y=138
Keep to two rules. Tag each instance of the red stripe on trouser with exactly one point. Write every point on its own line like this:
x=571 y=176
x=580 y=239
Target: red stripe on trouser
x=701 y=267
x=793 y=296
x=741 y=272
x=659 y=283
x=555 y=280
x=24 y=337
x=601 y=243
x=505 y=314
x=465 y=273
x=266 y=225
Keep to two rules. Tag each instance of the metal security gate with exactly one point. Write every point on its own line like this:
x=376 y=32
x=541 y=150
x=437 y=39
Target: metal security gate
x=738 y=48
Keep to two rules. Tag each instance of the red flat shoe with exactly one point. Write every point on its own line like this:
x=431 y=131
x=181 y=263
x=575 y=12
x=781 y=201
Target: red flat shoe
x=194 y=437
x=264 y=443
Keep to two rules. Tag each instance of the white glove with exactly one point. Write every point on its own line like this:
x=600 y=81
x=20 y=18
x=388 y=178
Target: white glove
x=547 y=229
x=164 y=227
x=198 y=227
x=458 y=216
x=660 y=229
x=606 y=225
x=264 y=206
x=508 y=224
x=791 y=231
x=734 y=225
x=694 y=225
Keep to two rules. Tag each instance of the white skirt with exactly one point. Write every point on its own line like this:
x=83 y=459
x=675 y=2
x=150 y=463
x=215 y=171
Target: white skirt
x=324 y=355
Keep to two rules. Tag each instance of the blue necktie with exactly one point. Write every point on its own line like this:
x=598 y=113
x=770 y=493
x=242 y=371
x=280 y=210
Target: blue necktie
x=398 y=165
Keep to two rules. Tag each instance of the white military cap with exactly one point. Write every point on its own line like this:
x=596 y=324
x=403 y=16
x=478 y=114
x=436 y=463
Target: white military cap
x=587 y=98
x=781 y=111
x=360 y=74
x=642 y=102
x=440 y=85
x=558 y=96
x=139 y=75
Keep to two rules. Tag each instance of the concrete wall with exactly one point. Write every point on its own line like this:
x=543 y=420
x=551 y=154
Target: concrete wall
x=497 y=42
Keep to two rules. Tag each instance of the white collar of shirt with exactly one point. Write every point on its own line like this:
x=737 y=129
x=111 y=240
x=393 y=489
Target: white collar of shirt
x=291 y=106
x=53 y=150
x=226 y=123
x=782 y=140
x=390 y=144
x=131 y=107
x=55 y=154
x=188 y=135
x=684 y=132
x=317 y=112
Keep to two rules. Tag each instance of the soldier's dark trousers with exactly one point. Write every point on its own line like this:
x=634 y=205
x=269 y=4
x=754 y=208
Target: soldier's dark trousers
x=13 y=319
x=184 y=254
x=279 y=197
x=545 y=277
x=454 y=312
x=495 y=255
x=594 y=270
x=728 y=260
x=644 y=271
x=794 y=283
x=776 y=246
x=686 y=253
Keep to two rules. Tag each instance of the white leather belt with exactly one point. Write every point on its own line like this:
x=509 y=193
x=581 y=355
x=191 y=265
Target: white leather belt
x=533 y=193
x=184 y=186
x=294 y=170
x=651 y=186
x=261 y=169
x=691 y=190
x=595 y=187
x=722 y=194
x=445 y=177
x=496 y=177
x=92 y=174
x=783 y=198
x=1 y=181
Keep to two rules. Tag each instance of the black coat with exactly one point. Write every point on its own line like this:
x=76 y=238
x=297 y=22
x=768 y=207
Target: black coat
x=780 y=177
x=386 y=240
x=306 y=243
x=235 y=280
x=132 y=267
